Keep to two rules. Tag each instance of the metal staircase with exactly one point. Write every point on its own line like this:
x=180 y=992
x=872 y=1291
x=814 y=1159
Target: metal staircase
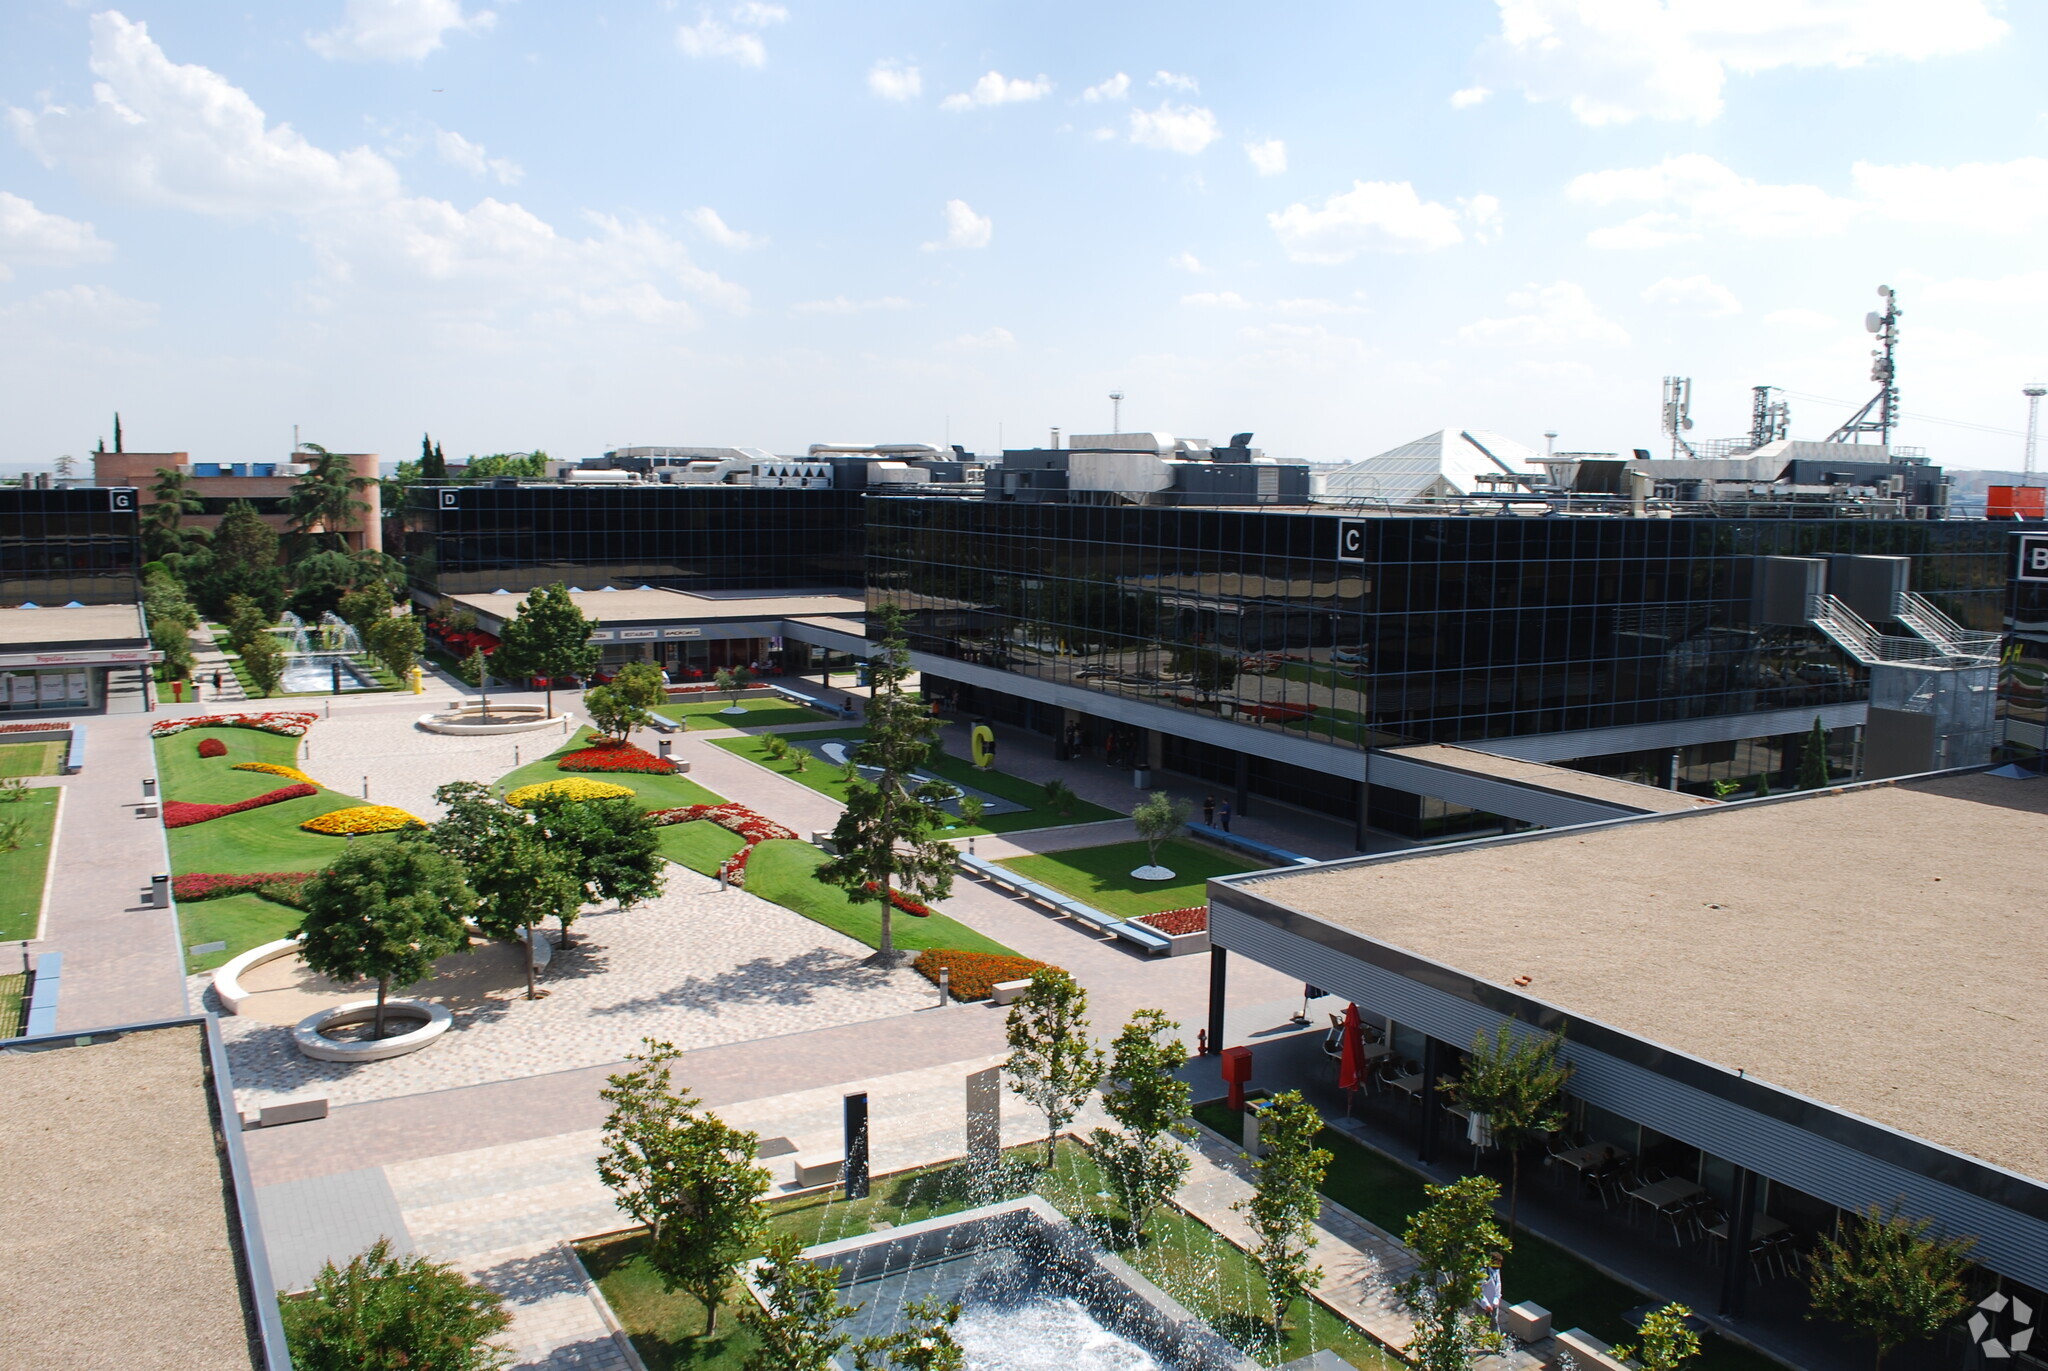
x=1927 y=622
x=1852 y=633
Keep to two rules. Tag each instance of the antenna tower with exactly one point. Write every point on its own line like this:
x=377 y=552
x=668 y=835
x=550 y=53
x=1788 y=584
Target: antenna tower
x=1769 y=420
x=1880 y=415
x=2033 y=392
x=1116 y=411
x=1678 y=414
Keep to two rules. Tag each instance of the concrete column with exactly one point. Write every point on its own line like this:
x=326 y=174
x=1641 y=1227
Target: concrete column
x=1735 y=1272
x=1219 y=973
x=1241 y=796
x=1364 y=804
x=1432 y=1070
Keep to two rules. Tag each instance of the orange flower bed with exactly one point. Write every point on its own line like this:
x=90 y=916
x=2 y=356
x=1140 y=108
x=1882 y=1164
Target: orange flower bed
x=974 y=975
x=1193 y=919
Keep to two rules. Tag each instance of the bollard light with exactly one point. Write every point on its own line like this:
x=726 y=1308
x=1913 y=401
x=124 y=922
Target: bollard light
x=945 y=983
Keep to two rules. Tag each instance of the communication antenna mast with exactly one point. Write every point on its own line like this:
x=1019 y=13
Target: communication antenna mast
x=2033 y=392
x=1116 y=411
x=1769 y=420
x=1881 y=414
x=1678 y=413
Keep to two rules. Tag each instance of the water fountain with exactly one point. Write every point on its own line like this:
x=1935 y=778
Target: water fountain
x=321 y=657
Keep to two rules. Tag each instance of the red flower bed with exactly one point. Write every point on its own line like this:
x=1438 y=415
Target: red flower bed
x=1193 y=919
x=733 y=818
x=212 y=747
x=899 y=900
x=184 y=813
x=616 y=754
x=973 y=975
x=285 y=887
x=288 y=723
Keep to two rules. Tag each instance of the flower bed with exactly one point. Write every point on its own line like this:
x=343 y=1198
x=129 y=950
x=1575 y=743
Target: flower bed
x=290 y=773
x=212 y=747
x=361 y=819
x=974 y=975
x=733 y=818
x=184 y=813
x=285 y=723
x=574 y=788
x=285 y=887
x=616 y=754
x=1193 y=919
x=901 y=901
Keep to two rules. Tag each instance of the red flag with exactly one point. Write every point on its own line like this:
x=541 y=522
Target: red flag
x=1353 y=1050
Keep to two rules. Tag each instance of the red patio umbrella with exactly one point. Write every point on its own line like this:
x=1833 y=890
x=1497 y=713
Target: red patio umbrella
x=1352 y=1050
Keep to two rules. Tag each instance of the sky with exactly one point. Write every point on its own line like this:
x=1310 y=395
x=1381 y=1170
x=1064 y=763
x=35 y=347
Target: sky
x=1338 y=225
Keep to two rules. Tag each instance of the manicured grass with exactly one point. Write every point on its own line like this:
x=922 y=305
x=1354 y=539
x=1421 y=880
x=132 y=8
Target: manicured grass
x=1382 y=1191
x=31 y=759
x=825 y=778
x=266 y=839
x=1212 y=1278
x=1101 y=876
x=11 y=988
x=241 y=921
x=658 y=792
x=763 y=711
x=182 y=774
x=702 y=846
x=785 y=871
x=23 y=871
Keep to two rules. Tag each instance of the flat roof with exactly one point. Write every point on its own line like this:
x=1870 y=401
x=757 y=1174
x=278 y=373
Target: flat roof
x=613 y=607
x=1648 y=798
x=120 y=1250
x=1879 y=948
x=55 y=625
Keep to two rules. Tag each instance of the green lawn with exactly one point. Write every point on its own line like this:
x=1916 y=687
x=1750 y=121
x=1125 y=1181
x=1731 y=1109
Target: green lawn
x=11 y=987
x=241 y=921
x=23 y=871
x=659 y=792
x=31 y=759
x=1101 y=876
x=266 y=839
x=1382 y=1191
x=784 y=870
x=1208 y=1275
x=702 y=846
x=763 y=711
x=823 y=777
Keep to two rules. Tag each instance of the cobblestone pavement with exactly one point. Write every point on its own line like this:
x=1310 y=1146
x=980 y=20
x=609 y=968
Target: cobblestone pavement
x=697 y=967
x=403 y=763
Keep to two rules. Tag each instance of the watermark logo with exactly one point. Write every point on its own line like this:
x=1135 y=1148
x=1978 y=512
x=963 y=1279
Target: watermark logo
x=2000 y=1314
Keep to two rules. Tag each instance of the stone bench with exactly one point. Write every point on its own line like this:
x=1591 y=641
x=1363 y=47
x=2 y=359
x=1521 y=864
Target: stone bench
x=1251 y=847
x=1588 y=1351
x=1145 y=936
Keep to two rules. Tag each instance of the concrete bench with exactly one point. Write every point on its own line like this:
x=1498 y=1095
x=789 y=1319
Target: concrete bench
x=42 y=1001
x=797 y=697
x=1251 y=847
x=74 y=751
x=1588 y=1351
x=1006 y=992
x=1151 y=939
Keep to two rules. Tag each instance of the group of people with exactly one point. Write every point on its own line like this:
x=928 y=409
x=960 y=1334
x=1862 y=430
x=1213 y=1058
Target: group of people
x=1216 y=815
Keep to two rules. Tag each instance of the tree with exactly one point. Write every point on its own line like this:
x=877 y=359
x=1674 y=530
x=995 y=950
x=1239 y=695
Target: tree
x=244 y=620
x=887 y=837
x=397 y=641
x=171 y=498
x=1517 y=1083
x=1454 y=1238
x=384 y=1312
x=433 y=466
x=326 y=502
x=1145 y=1161
x=263 y=659
x=612 y=713
x=520 y=881
x=1668 y=1341
x=731 y=680
x=117 y=432
x=1159 y=816
x=1813 y=758
x=1890 y=1278
x=686 y=1174
x=475 y=670
x=642 y=683
x=1286 y=1198
x=362 y=606
x=65 y=465
x=171 y=619
x=385 y=912
x=1052 y=1063
x=548 y=637
x=796 y=1323
x=529 y=466
x=607 y=846
x=244 y=562
x=925 y=1344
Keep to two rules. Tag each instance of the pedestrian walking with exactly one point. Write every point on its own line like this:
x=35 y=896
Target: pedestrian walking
x=1489 y=1291
x=216 y=681
x=1223 y=816
x=1209 y=810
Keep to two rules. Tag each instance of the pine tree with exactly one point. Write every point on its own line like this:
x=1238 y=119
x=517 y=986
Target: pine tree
x=1144 y=1161
x=1053 y=1063
x=117 y=432
x=1813 y=758
x=437 y=470
x=385 y=913
x=1286 y=1199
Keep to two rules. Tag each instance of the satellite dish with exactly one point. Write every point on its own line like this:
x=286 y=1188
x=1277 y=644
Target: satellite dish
x=1873 y=322
x=1885 y=292
x=1685 y=423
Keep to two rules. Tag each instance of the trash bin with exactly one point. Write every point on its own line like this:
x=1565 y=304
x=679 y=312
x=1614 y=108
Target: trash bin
x=1141 y=778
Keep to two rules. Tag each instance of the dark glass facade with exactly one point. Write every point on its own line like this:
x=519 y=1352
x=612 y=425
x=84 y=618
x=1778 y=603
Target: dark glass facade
x=57 y=546
x=1437 y=629
x=2023 y=671
x=462 y=540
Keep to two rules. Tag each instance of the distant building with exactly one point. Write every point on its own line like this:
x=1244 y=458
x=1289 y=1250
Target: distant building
x=72 y=636
x=265 y=485
x=1441 y=465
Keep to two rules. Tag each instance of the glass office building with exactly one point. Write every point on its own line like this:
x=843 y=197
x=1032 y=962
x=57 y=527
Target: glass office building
x=57 y=546
x=1380 y=631
x=462 y=540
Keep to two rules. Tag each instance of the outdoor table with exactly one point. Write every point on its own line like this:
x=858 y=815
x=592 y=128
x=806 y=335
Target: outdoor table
x=1761 y=1226
x=1661 y=1195
x=1411 y=1085
x=1584 y=1159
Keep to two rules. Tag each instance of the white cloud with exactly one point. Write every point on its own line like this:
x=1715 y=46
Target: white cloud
x=711 y=226
x=756 y=15
x=1174 y=128
x=964 y=228
x=1613 y=61
x=710 y=38
x=29 y=237
x=1300 y=307
x=1692 y=194
x=1551 y=316
x=1469 y=96
x=1377 y=216
x=397 y=30
x=1168 y=80
x=1269 y=158
x=1102 y=135
x=1210 y=299
x=94 y=307
x=1995 y=197
x=840 y=304
x=1187 y=262
x=989 y=340
x=1483 y=212
x=1809 y=319
x=472 y=158
x=1117 y=87
x=1699 y=295
x=889 y=79
x=994 y=88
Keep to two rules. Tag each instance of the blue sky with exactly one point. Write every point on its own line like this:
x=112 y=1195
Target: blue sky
x=1338 y=225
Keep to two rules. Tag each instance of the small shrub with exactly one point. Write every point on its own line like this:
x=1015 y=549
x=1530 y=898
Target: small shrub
x=212 y=747
x=974 y=975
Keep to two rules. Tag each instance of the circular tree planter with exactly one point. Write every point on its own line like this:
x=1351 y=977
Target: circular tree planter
x=734 y=709
x=430 y=1022
x=1153 y=873
x=474 y=720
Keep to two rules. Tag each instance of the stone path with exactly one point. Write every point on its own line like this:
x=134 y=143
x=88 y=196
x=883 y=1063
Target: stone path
x=403 y=763
x=209 y=659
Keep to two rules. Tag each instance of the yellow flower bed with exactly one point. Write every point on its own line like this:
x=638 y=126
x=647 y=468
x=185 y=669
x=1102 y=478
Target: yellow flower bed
x=271 y=769
x=361 y=819
x=573 y=787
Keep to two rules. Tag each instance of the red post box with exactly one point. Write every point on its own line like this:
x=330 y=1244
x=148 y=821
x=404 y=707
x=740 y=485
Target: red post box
x=1237 y=1073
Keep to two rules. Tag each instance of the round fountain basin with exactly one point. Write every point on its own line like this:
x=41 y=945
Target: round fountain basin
x=476 y=720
